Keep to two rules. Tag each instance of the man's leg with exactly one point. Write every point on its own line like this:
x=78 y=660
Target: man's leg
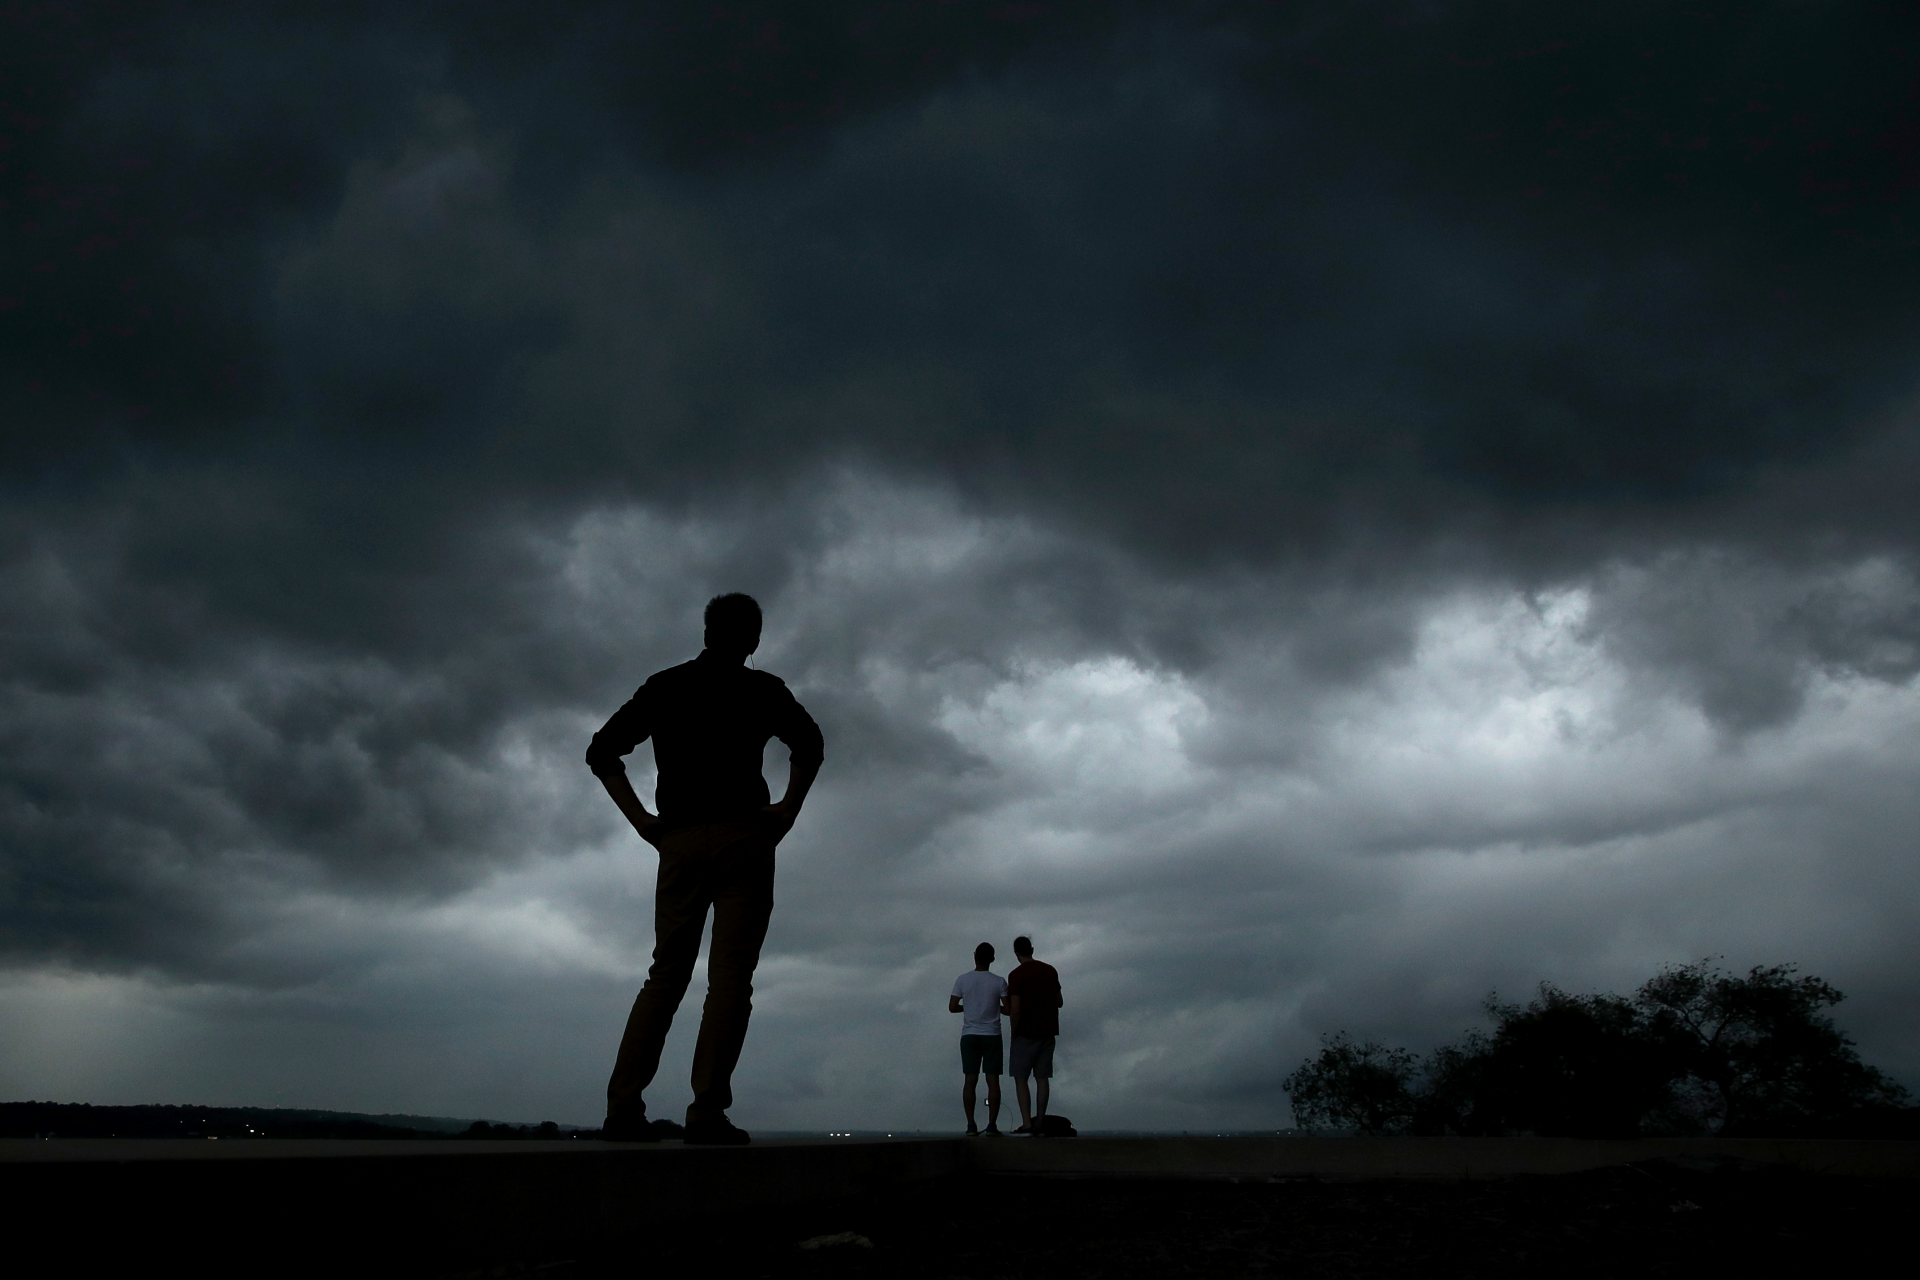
x=1039 y=1056
x=1026 y=1103
x=742 y=860
x=1019 y=1066
x=967 y=1097
x=1040 y=1089
x=992 y=1062
x=680 y=898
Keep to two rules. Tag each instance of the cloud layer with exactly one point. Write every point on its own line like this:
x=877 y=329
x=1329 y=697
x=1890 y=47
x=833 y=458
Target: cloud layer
x=1312 y=512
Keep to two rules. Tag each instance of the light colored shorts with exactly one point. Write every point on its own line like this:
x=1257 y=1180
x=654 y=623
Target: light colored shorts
x=1032 y=1057
x=980 y=1054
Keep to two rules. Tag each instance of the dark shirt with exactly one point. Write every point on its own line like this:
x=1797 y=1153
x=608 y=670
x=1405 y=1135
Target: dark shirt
x=1038 y=986
x=709 y=720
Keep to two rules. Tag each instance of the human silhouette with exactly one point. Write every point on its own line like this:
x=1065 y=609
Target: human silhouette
x=980 y=994
x=1033 y=1008
x=710 y=720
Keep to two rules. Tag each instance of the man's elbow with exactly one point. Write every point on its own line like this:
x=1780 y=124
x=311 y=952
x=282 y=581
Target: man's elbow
x=604 y=760
x=806 y=745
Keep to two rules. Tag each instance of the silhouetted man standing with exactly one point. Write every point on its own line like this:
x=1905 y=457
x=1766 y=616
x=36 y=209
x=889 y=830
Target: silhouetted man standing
x=981 y=995
x=709 y=720
x=1034 y=1004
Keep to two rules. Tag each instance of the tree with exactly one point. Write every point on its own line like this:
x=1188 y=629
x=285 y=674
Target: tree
x=1758 y=1051
x=1366 y=1087
x=1695 y=1050
x=1567 y=1064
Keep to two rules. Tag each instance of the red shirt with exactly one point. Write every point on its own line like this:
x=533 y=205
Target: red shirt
x=1038 y=986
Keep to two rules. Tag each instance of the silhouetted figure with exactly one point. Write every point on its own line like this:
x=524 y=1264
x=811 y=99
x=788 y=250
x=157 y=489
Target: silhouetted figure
x=1033 y=1017
x=981 y=996
x=710 y=720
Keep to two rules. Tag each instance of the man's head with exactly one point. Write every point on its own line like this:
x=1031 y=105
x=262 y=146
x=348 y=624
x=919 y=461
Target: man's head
x=983 y=955
x=1023 y=947
x=733 y=624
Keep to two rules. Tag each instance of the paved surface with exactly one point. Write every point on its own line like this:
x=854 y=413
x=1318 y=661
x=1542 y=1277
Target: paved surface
x=371 y=1204
x=1654 y=1219
x=148 y=1150
x=1451 y=1159
x=869 y=1161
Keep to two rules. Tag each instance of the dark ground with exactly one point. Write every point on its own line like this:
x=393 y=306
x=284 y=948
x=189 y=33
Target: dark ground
x=1656 y=1219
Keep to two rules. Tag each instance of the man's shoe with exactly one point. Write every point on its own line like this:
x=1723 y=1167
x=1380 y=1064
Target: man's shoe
x=993 y=1131
x=716 y=1131
x=973 y=1131
x=612 y=1130
x=1026 y=1128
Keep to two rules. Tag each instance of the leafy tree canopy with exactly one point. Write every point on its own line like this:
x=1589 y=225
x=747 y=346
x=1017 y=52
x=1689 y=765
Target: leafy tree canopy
x=1695 y=1050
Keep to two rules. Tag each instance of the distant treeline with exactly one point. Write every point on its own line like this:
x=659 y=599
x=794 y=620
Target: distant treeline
x=81 y=1120
x=1696 y=1050
x=481 y=1129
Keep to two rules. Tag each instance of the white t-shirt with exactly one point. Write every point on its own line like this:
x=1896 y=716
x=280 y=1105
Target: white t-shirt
x=980 y=994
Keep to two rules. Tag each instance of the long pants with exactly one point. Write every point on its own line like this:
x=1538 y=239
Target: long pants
x=727 y=866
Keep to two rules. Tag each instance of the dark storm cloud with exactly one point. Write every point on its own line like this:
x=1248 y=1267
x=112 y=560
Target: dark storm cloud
x=1510 y=258
x=387 y=386
x=1743 y=637
x=1227 y=290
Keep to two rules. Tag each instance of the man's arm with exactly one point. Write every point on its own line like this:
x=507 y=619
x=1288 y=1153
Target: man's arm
x=621 y=789
x=799 y=782
x=807 y=749
x=627 y=729
x=1013 y=1012
x=953 y=1005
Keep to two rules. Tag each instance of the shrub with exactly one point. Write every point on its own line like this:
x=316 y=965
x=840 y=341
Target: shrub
x=1364 y=1087
x=1694 y=1050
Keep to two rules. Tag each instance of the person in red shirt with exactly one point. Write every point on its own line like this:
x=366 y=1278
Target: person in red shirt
x=1034 y=1003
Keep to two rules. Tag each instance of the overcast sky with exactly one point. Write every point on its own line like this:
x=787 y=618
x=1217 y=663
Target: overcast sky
x=1313 y=511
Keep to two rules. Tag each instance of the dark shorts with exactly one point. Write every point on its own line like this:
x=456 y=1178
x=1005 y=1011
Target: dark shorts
x=980 y=1054
x=1032 y=1057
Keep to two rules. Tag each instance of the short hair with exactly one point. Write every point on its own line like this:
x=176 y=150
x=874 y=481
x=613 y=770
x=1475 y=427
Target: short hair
x=983 y=954
x=1023 y=946
x=733 y=612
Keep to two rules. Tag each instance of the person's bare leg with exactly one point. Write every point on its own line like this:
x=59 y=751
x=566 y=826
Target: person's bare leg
x=1042 y=1091
x=1026 y=1102
x=967 y=1097
x=993 y=1102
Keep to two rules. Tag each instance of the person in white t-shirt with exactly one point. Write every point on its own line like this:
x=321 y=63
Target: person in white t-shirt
x=982 y=997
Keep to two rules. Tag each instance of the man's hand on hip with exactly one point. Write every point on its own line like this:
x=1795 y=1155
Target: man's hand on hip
x=645 y=824
x=781 y=816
